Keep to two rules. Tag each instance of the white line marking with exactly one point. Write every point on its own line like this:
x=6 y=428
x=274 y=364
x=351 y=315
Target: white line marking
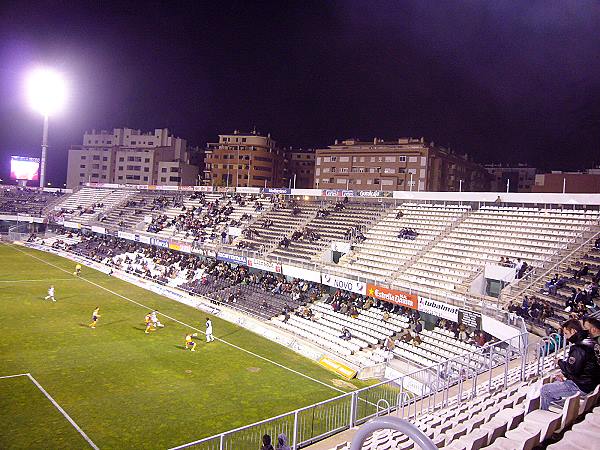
x=14 y=376
x=47 y=280
x=183 y=323
x=63 y=412
x=56 y=405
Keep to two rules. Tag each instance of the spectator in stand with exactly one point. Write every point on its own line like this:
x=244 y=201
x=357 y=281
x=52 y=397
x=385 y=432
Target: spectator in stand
x=399 y=215
x=346 y=335
x=282 y=442
x=462 y=333
x=592 y=326
x=585 y=270
x=266 y=443
x=580 y=372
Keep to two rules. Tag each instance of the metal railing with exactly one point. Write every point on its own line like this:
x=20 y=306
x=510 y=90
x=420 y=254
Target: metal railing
x=405 y=396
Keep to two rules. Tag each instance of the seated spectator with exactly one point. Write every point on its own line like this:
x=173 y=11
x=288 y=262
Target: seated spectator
x=346 y=335
x=580 y=372
x=400 y=215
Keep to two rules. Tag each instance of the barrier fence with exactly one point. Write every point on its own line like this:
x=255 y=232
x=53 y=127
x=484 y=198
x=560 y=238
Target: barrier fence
x=408 y=396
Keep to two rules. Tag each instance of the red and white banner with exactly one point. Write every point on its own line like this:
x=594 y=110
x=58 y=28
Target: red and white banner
x=393 y=296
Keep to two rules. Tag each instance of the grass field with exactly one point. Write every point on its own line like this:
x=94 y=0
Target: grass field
x=126 y=389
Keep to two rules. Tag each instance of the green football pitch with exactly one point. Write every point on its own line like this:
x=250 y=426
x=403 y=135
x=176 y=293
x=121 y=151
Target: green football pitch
x=122 y=387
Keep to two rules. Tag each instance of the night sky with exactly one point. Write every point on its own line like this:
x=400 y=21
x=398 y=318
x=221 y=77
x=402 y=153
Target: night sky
x=504 y=81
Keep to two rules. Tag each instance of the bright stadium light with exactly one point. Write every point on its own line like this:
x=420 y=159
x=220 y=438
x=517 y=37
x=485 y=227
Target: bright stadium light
x=47 y=93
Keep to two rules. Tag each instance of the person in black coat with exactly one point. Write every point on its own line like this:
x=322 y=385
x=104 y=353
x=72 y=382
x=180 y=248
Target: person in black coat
x=580 y=369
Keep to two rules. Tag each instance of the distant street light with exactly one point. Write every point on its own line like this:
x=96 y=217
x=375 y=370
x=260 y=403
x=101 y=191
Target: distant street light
x=46 y=92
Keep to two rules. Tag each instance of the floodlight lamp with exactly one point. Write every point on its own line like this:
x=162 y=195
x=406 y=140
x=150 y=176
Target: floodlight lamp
x=46 y=91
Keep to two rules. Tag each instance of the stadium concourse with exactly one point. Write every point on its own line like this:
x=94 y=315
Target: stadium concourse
x=433 y=289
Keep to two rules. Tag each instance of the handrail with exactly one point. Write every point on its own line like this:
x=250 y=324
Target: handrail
x=394 y=423
x=552 y=268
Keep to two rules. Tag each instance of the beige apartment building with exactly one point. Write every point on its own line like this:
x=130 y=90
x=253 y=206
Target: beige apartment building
x=244 y=160
x=127 y=156
x=406 y=164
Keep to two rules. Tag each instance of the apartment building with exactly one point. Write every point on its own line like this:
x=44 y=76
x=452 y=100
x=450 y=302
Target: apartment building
x=405 y=164
x=244 y=160
x=587 y=182
x=517 y=178
x=128 y=156
x=300 y=168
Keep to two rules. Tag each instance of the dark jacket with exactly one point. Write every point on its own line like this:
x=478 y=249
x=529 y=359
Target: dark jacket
x=581 y=365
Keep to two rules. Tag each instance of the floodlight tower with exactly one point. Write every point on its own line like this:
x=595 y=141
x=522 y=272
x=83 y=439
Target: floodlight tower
x=46 y=91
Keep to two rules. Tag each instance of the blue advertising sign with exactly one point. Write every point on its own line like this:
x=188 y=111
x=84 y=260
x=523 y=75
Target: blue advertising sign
x=229 y=257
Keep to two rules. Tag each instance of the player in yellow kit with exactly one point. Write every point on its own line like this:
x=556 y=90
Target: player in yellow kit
x=77 y=270
x=95 y=316
x=189 y=343
x=149 y=323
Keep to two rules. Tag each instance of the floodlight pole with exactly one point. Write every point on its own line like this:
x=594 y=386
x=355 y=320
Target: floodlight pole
x=44 y=151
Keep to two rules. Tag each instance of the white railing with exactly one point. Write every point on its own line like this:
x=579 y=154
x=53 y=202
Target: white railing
x=400 y=396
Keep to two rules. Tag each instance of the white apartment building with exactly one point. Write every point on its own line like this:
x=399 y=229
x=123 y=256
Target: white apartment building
x=128 y=156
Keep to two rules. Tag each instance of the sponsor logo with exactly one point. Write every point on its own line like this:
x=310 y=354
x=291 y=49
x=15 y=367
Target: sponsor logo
x=370 y=193
x=159 y=242
x=438 y=309
x=228 y=257
x=393 y=296
x=344 y=283
x=284 y=191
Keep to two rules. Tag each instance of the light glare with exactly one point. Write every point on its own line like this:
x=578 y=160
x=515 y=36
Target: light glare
x=46 y=91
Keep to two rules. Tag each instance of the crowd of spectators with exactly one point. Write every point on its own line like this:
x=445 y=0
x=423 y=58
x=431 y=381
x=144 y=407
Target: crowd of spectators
x=15 y=200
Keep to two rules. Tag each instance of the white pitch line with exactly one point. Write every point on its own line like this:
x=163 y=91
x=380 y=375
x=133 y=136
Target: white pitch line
x=184 y=324
x=31 y=281
x=63 y=412
x=56 y=405
x=14 y=376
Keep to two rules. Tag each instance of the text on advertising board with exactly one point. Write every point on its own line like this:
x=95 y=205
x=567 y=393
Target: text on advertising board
x=393 y=296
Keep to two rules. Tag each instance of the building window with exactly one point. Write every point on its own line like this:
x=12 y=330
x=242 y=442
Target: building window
x=146 y=169
x=326 y=169
x=121 y=159
x=132 y=177
x=82 y=175
x=120 y=177
x=95 y=175
x=82 y=166
x=96 y=157
x=344 y=158
x=341 y=180
x=390 y=159
x=104 y=158
x=95 y=166
x=326 y=159
x=163 y=170
x=145 y=178
x=387 y=182
x=372 y=160
x=401 y=158
x=174 y=169
x=120 y=167
x=104 y=167
x=163 y=179
x=343 y=170
x=147 y=160
x=103 y=177
x=133 y=143
x=83 y=157
x=333 y=169
x=389 y=170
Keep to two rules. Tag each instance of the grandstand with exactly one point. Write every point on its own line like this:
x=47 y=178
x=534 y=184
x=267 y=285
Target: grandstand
x=459 y=367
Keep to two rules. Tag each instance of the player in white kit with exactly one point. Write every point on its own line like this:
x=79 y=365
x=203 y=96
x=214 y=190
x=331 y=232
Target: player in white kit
x=209 y=331
x=50 y=295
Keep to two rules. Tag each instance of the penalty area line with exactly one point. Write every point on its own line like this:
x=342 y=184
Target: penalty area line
x=184 y=324
x=56 y=405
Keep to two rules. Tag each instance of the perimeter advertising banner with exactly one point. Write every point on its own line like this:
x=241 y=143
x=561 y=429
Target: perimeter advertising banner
x=390 y=295
x=261 y=264
x=344 y=283
x=229 y=257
